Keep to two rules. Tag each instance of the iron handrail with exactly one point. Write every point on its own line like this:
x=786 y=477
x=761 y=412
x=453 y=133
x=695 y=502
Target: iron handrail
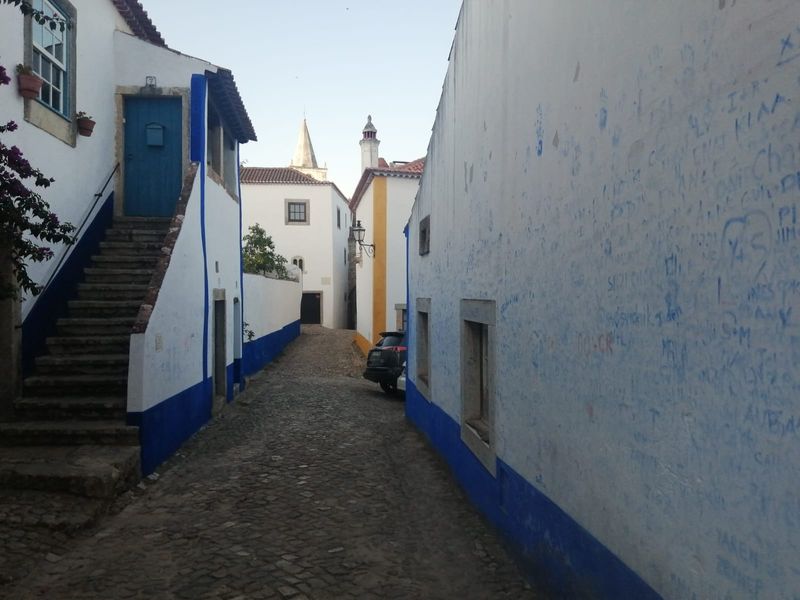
x=68 y=251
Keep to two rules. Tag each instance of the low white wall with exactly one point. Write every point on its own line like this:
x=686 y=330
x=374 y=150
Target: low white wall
x=270 y=304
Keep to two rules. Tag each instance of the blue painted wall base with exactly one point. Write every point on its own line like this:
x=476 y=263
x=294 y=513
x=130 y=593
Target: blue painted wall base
x=555 y=550
x=164 y=427
x=258 y=353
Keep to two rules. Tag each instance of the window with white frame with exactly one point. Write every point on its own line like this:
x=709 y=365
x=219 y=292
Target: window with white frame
x=299 y=263
x=49 y=59
x=478 y=379
x=338 y=217
x=297 y=212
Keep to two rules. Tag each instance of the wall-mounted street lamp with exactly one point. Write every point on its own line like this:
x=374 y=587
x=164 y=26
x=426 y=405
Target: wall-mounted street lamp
x=358 y=234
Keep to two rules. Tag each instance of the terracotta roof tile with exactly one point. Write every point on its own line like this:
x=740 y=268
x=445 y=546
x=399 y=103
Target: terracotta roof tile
x=276 y=175
x=136 y=18
x=415 y=166
x=409 y=170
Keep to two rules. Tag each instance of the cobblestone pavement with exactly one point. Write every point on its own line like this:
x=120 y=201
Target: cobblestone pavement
x=311 y=485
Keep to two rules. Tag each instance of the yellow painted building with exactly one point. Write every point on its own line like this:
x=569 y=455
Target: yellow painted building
x=382 y=203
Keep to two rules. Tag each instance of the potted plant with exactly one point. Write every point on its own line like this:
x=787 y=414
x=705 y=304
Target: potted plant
x=29 y=83
x=85 y=123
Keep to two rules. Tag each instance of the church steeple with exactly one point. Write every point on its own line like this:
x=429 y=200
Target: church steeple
x=369 y=146
x=304 y=159
x=304 y=152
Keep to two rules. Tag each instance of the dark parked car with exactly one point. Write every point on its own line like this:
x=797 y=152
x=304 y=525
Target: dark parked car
x=385 y=360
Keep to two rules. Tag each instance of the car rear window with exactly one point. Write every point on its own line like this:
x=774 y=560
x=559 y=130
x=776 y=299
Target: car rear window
x=392 y=340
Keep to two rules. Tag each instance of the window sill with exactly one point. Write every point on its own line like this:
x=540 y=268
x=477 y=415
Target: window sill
x=472 y=434
x=423 y=385
x=45 y=118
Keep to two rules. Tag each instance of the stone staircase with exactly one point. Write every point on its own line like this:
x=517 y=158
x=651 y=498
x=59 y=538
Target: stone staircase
x=69 y=435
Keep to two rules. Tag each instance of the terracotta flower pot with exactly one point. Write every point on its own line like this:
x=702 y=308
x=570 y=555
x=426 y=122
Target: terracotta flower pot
x=85 y=126
x=29 y=85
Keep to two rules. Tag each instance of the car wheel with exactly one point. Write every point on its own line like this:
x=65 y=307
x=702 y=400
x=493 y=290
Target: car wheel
x=390 y=387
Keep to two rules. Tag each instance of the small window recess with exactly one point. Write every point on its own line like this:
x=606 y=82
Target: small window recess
x=425 y=235
x=478 y=379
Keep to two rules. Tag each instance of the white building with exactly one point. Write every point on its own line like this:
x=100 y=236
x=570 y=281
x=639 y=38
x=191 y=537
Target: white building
x=151 y=336
x=382 y=204
x=308 y=220
x=604 y=288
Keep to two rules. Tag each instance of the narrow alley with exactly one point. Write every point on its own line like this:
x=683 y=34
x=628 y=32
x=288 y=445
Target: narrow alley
x=311 y=485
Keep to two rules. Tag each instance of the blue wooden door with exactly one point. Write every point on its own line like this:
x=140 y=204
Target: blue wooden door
x=152 y=156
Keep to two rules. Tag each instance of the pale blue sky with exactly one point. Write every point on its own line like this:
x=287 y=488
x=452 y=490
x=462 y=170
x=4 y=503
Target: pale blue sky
x=337 y=59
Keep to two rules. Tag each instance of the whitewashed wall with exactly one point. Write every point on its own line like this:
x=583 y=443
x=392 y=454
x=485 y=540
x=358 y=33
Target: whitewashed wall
x=401 y=194
x=338 y=264
x=317 y=242
x=224 y=264
x=134 y=59
x=167 y=358
x=622 y=180
x=270 y=304
x=70 y=197
x=364 y=270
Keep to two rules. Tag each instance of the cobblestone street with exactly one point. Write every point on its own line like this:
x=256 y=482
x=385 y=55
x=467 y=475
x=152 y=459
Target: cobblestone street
x=311 y=485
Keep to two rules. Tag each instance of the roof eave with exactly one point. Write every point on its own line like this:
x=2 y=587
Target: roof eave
x=222 y=86
x=138 y=20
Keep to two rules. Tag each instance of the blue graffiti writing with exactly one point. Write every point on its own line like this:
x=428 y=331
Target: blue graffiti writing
x=539 y=130
x=732 y=573
x=787 y=224
x=777 y=422
x=737 y=548
x=673 y=311
x=674 y=357
x=789 y=50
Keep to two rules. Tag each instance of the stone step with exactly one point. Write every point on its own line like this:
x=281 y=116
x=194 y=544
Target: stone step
x=77 y=364
x=111 y=326
x=68 y=433
x=98 y=275
x=83 y=344
x=112 y=291
x=148 y=248
x=110 y=255
x=79 y=407
x=136 y=235
x=76 y=385
x=123 y=261
x=141 y=222
x=55 y=511
x=93 y=471
x=88 y=309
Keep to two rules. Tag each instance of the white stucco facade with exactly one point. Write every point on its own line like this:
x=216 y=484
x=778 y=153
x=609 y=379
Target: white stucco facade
x=172 y=354
x=69 y=197
x=619 y=183
x=321 y=242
